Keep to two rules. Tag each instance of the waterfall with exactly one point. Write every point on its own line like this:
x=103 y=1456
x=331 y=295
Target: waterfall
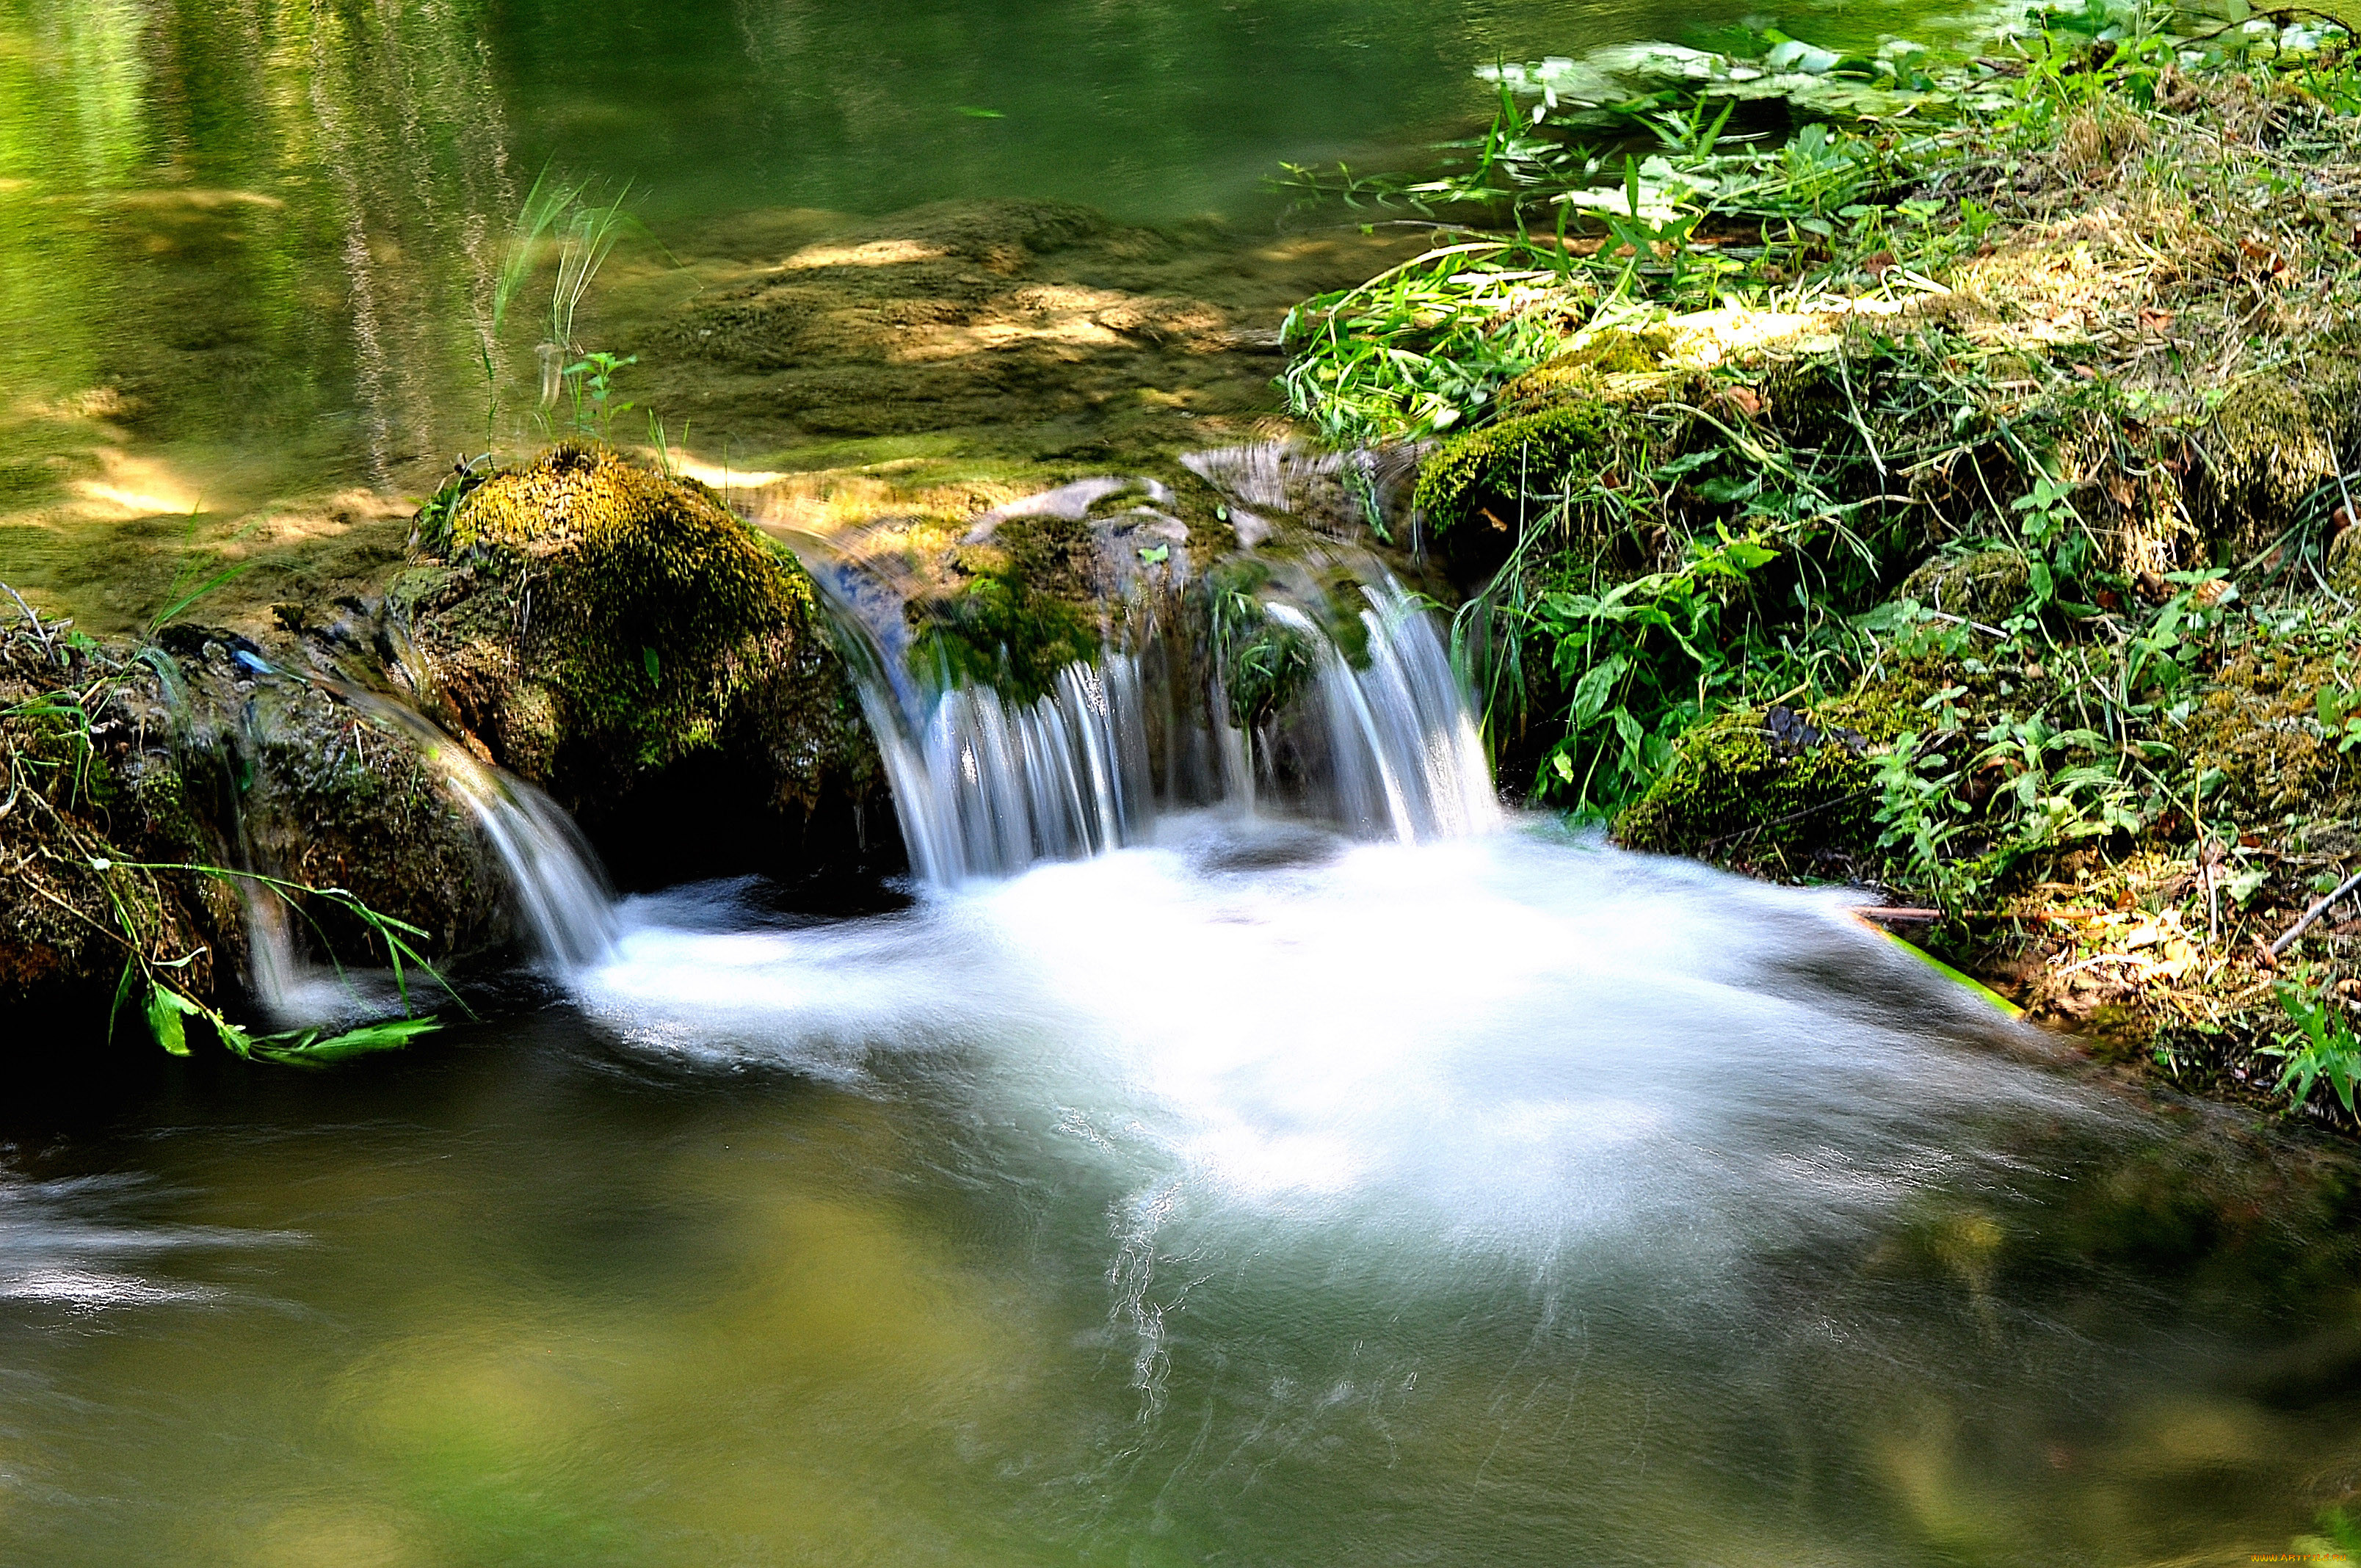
x=560 y=892
x=985 y=785
x=561 y=897
x=1405 y=760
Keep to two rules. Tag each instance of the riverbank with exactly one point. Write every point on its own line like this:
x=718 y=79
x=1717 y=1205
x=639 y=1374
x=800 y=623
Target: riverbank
x=1928 y=473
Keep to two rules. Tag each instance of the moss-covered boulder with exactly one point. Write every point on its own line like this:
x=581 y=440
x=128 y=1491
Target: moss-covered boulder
x=2254 y=736
x=1776 y=785
x=1481 y=477
x=616 y=635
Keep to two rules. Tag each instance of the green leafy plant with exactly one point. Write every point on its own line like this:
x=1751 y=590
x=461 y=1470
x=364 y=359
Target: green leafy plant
x=1423 y=346
x=2323 y=1045
x=167 y=1004
x=2338 y=710
x=591 y=382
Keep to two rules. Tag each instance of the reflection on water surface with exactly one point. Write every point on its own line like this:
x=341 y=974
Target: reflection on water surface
x=1251 y=1196
x=247 y=251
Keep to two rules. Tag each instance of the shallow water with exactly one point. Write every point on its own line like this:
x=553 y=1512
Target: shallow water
x=247 y=250
x=1250 y=1195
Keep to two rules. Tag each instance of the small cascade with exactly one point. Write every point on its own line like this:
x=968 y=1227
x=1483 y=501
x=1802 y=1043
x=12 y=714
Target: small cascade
x=1403 y=758
x=987 y=787
x=560 y=892
x=560 y=895
x=1380 y=743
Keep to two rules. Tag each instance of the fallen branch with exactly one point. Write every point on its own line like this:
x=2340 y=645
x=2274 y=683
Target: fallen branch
x=2286 y=939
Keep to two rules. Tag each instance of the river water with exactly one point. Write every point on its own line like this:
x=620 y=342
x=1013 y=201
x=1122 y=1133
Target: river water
x=1250 y=1194
x=1444 y=1191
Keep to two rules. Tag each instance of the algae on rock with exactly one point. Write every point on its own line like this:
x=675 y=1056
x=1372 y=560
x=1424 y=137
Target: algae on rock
x=617 y=636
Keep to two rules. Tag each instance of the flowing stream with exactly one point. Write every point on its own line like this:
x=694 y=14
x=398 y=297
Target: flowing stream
x=1229 y=1183
x=1225 y=1148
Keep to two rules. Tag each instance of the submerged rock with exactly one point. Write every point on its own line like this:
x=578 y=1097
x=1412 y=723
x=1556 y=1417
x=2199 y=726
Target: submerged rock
x=619 y=638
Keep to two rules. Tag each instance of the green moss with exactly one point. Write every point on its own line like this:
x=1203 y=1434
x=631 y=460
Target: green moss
x=663 y=601
x=589 y=620
x=2344 y=562
x=2274 y=441
x=2252 y=730
x=1580 y=374
x=1731 y=789
x=1484 y=475
x=1984 y=586
x=1027 y=608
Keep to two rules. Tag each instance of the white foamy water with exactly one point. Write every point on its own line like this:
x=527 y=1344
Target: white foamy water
x=1512 y=1042
x=78 y=1244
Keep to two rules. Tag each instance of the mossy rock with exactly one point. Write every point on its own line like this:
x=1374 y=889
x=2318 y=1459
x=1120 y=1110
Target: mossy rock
x=2253 y=729
x=90 y=806
x=2276 y=440
x=1026 y=605
x=1582 y=373
x=1485 y=476
x=1984 y=586
x=1741 y=786
x=618 y=636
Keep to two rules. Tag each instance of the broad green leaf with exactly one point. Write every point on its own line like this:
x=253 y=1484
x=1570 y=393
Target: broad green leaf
x=1590 y=692
x=165 y=1020
x=309 y=1049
